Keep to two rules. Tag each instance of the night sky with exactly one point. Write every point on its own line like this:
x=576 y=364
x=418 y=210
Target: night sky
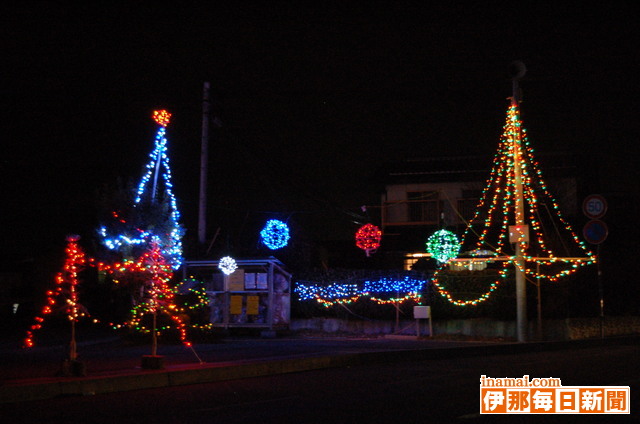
x=311 y=100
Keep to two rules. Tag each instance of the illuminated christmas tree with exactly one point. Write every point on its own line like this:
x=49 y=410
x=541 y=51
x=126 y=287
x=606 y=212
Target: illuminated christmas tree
x=64 y=297
x=519 y=219
x=158 y=297
x=153 y=212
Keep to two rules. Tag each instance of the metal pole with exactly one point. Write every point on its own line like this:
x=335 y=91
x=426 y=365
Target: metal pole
x=155 y=177
x=73 y=355
x=600 y=291
x=539 y=301
x=204 y=159
x=397 y=304
x=154 y=335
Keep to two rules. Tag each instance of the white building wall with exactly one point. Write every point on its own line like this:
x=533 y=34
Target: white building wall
x=395 y=199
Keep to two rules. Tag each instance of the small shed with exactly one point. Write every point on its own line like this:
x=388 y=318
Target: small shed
x=257 y=294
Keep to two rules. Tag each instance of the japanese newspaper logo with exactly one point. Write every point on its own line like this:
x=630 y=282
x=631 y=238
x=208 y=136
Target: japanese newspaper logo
x=549 y=396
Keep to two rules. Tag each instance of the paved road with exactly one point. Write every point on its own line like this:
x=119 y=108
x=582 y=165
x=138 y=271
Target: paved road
x=436 y=390
x=114 y=354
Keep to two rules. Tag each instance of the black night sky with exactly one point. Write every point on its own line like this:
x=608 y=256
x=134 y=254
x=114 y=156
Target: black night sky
x=311 y=100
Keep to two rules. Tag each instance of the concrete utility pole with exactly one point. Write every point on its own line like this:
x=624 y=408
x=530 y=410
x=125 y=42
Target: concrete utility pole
x=518 y=71
x=521 y=288
x=204 y=160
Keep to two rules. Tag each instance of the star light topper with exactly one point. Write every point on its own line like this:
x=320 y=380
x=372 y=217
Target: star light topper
x=162 y=117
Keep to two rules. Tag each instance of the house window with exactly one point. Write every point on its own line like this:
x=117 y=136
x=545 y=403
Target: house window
x=423 y=206
x=410 y=259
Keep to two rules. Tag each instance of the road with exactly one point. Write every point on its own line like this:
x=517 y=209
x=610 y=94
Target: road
x=427 y=391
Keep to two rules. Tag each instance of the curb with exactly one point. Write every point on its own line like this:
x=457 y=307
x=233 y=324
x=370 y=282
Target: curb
x=179 y=375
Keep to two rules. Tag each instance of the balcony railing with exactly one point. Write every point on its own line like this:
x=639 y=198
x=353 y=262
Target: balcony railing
x=411 y=212
x=466 y=208
x=425 y=212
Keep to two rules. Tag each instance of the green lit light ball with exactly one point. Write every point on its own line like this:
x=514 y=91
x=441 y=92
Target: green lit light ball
x=443 y=245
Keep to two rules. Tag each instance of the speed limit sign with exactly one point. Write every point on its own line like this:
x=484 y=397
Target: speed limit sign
x=594 y=206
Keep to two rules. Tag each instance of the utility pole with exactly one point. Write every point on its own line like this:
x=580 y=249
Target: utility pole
x=204 y=160
x=521 y=288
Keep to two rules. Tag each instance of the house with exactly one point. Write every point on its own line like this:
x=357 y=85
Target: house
x=420 y=196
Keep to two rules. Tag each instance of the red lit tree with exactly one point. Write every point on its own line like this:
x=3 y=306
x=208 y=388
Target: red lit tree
x=64 y=298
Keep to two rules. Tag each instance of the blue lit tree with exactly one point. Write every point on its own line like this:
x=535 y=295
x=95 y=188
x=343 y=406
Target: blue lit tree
x=153 y=211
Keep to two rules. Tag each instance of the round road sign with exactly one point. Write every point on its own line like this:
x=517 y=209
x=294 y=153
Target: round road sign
x=594 y=206
x=595 y=231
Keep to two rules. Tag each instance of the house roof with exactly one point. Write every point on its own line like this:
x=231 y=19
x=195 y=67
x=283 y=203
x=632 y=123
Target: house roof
x=470 y=168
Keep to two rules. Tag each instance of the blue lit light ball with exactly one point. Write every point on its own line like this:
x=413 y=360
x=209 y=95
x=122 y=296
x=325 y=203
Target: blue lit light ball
x=443 y=245
x=275 y=234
